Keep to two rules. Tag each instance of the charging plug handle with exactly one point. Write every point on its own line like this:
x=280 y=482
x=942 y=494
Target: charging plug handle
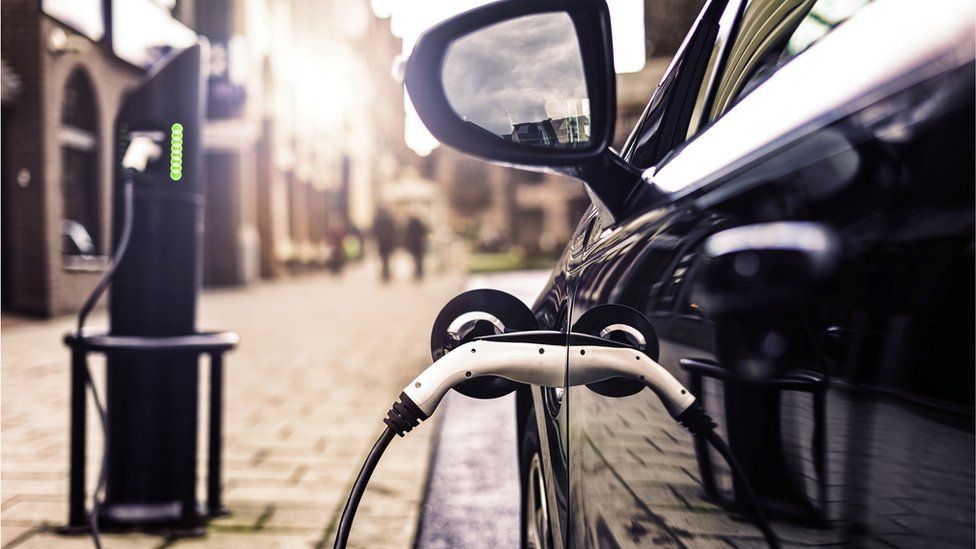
x=143 y=148
x=537 y=358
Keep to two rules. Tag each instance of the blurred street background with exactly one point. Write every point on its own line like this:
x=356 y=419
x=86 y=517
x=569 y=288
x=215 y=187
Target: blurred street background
x=316 y=169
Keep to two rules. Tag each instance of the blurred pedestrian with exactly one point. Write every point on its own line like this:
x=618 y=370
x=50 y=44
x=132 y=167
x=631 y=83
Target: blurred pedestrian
x=416 y=242
x=384 y=230
x=335 y=236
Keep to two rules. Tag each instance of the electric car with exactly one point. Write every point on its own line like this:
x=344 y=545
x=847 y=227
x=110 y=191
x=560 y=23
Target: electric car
x=789 y=227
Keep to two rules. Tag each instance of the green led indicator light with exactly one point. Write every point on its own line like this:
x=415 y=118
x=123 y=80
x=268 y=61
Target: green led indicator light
x=176 y=151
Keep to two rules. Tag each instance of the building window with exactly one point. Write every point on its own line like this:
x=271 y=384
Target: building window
x=80 y=188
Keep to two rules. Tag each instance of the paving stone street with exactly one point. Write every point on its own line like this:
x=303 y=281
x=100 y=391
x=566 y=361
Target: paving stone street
x=320 y=360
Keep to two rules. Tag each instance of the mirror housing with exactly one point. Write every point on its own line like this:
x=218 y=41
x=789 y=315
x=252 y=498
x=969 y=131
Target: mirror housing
x=425 y=83
x=613 y=184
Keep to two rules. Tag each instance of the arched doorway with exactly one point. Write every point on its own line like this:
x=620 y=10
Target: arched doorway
x=80 y=186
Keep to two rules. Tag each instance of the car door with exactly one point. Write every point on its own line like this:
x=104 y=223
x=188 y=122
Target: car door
x=633 y=473
x=851 y=405
x=543 y=420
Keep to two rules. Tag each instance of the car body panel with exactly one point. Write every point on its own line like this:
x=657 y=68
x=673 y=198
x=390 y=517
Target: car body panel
x=551 y=310
x=873 y=444
x=635 y=477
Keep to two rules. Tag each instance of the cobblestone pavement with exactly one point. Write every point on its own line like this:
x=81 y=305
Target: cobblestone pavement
x=319 y=363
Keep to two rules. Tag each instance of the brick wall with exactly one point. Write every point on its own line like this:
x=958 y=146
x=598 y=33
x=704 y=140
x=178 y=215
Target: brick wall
x=110 y=78
x=39 y=281
x=24 y=240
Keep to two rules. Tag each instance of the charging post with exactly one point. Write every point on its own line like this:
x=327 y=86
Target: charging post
x=152 y=345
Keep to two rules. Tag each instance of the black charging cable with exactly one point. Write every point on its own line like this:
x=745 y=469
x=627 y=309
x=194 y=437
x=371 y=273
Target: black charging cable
x=86 y=309
x=116 y=259
x=356 y=494
x=405 y=415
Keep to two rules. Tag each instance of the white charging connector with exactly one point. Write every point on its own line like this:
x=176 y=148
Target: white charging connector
x=541 y=358
x=143 y=148
x=544 y=365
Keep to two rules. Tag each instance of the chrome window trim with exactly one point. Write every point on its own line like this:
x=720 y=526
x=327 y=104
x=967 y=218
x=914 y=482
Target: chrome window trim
x=726 y=24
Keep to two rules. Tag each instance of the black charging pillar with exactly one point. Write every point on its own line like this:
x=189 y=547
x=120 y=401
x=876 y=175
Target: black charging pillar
x=152 y=397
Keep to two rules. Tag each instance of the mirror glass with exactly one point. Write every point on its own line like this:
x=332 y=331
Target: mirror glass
x=521 y=81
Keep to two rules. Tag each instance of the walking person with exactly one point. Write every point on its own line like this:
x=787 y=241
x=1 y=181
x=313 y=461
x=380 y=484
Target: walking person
x=384 y=230
x=416 y=243
x=335 y=237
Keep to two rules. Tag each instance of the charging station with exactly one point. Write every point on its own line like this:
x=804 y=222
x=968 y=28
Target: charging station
x=152 y=347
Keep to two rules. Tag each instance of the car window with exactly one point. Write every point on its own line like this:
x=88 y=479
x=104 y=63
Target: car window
x=664 y=124
x=770 y=34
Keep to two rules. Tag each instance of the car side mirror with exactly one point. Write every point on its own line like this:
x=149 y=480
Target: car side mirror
x=526 y=83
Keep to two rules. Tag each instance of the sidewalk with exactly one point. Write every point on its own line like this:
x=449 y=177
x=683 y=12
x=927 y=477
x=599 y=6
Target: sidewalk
x=321 y=359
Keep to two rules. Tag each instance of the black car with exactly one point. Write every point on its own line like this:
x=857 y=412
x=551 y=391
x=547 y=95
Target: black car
x=789 y=227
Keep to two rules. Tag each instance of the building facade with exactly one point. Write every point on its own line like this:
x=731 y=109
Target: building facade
x=58 y=149
x=301 y=132
x=304 y=134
